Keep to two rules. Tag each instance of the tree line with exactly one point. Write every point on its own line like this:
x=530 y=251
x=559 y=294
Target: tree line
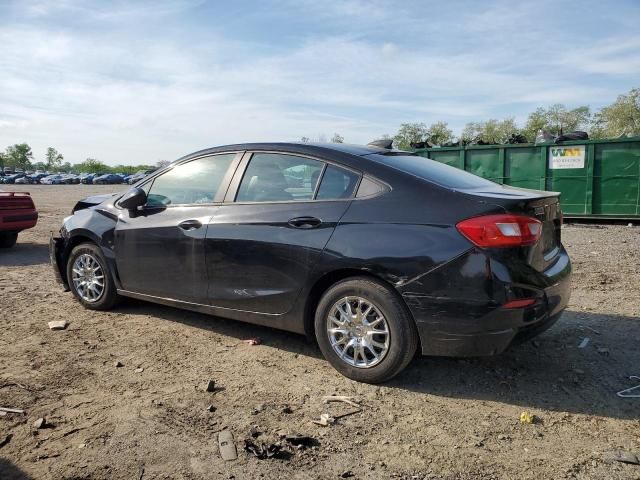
x=20 y=156
x=620 y=119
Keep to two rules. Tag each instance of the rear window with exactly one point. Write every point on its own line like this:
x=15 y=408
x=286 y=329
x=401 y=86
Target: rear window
x=435 y=172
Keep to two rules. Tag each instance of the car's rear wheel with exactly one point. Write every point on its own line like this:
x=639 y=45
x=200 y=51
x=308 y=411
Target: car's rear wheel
x=364 y=330
x=90 y=279
x=8 y=239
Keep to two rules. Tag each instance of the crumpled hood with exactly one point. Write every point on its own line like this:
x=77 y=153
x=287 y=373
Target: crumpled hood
x=92 y=201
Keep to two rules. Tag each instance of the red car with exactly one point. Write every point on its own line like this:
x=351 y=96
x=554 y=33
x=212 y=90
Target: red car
x=17 y=213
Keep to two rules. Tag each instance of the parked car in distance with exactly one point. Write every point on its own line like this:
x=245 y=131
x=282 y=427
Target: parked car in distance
x=374 y=252
x=139 y=175
x=108 y=179
x=23 y=180
x=11 y=179
x=17 y=213
x=52 y=180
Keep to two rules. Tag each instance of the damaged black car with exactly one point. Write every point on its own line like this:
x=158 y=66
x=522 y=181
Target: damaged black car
x=375 y=253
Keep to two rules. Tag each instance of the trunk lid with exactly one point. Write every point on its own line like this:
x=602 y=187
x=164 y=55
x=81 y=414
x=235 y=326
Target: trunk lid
x=542 y=205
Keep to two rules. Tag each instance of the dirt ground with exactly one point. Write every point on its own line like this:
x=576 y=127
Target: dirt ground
x=443 y=418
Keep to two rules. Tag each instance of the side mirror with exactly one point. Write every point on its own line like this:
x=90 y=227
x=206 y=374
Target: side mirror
x=134 y=198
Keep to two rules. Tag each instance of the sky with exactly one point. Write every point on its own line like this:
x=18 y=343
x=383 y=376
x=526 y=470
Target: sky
x=133 y=82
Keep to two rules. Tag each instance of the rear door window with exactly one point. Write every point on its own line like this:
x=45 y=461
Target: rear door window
x=274 y=177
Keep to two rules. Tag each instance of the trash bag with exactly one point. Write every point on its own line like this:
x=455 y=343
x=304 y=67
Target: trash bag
x=544 y=137
x=575 y=135
x=420 y=145
x=517 y=138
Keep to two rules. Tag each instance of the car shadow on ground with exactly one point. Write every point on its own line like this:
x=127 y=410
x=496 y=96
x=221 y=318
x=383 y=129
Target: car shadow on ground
x=8 y=471
x=24 y=254
x=551 y=372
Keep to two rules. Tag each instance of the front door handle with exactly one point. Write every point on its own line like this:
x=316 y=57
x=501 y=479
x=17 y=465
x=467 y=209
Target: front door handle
x=305 y=222
x=190 y=225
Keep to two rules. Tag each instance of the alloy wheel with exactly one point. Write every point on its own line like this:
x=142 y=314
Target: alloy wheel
x=358 y=332
x=88 y=278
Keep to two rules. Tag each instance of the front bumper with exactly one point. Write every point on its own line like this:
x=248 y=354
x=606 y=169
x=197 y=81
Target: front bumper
x=464 y=328
x=55 y=256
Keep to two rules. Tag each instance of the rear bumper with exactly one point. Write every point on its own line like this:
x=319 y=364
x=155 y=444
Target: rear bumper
x=17 y=220
x=459 y=327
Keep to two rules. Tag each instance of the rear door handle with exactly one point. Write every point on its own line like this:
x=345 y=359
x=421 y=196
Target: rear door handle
x=190 y=225
x=305 y=222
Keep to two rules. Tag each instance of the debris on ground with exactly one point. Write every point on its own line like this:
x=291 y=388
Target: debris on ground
x=7 y=438
x=584 y=342
x=603 y=351
x=211 y=408
x=40 y=423
x=340 y=398
x=58 y=324
x=301 y=441
x=632 y=392
x=11 y=410
x=262 y=450
x=253 y=341
x=227 y=446
x=139 y=370
x=118 y=364
x=325 y=420
x=347 y=474
x=526 y=417
x=211 y=386
x=622 y=457
x=255 y=431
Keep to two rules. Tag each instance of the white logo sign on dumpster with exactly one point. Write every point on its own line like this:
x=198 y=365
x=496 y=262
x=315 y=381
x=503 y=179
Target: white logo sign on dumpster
x=566 y=157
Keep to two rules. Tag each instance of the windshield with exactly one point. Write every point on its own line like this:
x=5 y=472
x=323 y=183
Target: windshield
x=435 y=172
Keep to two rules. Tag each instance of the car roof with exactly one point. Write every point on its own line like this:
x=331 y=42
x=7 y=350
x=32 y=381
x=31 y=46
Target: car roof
x=299 y=147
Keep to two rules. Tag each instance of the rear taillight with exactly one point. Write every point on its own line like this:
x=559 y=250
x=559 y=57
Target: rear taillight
x=492 y=231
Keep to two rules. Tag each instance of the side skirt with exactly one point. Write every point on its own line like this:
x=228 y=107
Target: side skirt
x=281 y=322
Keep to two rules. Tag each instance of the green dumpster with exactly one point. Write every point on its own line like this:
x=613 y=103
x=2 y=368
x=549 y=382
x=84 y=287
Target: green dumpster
x=597 y=178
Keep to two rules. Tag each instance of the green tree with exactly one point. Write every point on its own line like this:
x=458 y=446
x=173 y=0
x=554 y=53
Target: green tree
x=490 y=131
x=54 y=158
x=555 y=119
x=620 y=118
x=19 y=156
x=337 y=138
x=439 y=133
x=410 y=133
x=91 y=165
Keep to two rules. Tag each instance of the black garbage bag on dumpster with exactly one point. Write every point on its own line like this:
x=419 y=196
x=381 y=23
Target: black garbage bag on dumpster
x=517 y=138
x=575 y=135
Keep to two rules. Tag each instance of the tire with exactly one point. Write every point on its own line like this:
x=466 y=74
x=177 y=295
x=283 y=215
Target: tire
x=8 y=239
x=401 y=339
x=92 y=257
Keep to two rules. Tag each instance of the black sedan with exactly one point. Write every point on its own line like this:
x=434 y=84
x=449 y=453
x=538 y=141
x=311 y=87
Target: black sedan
x=373 y=252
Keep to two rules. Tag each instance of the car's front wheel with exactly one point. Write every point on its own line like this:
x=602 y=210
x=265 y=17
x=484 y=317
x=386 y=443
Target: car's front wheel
x=90 y=279
x=364 y=330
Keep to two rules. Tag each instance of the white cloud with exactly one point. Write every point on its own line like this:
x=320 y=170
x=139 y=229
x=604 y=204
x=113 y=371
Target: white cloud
x=135 y=95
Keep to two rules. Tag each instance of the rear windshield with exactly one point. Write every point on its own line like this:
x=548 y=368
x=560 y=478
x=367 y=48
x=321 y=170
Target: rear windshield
x=435 y=172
